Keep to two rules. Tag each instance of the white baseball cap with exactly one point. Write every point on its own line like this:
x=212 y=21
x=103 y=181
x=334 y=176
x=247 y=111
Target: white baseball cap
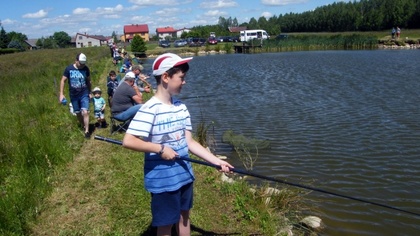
x=130 y=75
x=96 y=89
x=81 y=58
x=166 y=61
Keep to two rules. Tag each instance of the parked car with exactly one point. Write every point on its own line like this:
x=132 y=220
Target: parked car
x=164 y=44
x=227 y=39
x=236 y=39
x=212 y=40
x=281 y=36
x=197 y=42
x=180 y=43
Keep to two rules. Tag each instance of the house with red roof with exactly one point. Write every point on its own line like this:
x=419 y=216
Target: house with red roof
x=136 y=29
x=166 y=32
x=237 y=29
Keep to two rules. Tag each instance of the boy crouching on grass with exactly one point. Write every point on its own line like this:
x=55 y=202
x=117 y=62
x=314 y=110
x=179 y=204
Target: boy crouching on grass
x=162 y=130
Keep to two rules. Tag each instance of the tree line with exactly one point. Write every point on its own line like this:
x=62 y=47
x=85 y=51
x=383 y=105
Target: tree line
x=13 y=40
x=363 y=15
x=16 y=41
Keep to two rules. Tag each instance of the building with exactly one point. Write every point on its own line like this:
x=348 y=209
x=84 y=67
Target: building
x=237 y=29
x=180 y=31
x=85 y=40
x=166 y=32
x=135 y=29
x=30 y=44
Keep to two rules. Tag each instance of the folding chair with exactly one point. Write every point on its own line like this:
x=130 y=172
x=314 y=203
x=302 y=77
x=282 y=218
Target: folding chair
x=118 y=125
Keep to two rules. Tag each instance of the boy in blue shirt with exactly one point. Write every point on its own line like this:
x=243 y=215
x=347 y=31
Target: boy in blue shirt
x=99 y=107
x=162 y=130
x=112 y=84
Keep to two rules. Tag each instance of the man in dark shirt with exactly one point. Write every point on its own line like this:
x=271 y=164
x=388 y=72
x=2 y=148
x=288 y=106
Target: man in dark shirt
x=127 y=99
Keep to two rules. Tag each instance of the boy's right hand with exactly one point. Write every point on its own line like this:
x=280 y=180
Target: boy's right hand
x=169 y=154
x=61 y=98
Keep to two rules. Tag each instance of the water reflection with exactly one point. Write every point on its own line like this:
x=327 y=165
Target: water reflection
x=348 y=121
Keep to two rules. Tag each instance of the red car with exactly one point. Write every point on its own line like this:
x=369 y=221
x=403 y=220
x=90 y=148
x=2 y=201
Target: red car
x=212 y=40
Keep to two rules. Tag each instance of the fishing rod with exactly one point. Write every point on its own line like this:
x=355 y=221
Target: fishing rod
x=198 y=96
x=243 y=172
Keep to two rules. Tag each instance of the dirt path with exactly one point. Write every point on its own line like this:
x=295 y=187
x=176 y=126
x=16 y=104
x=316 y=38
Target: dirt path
x=76 y=197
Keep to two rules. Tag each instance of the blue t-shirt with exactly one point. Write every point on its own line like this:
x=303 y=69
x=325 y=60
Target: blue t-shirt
x=98 y=103
x=165 y=124
x=77 y=80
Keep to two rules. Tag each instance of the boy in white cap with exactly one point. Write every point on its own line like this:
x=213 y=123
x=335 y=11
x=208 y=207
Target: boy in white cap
x=99 y=107
x=78 y=75
x=162 y=130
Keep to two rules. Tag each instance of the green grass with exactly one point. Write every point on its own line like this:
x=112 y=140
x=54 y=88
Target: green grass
x=38 y=134
x=54 y=182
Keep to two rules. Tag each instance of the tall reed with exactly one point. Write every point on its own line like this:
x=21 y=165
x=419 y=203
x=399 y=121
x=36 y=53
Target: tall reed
x=319 y=42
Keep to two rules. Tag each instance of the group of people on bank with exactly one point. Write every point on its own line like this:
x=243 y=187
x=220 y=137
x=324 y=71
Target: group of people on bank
x=124 y=95
x=161 y=128
x=395 y=32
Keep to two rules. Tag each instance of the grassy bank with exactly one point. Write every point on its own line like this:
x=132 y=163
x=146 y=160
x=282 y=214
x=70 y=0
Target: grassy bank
x=38 y=135
x=54 y=182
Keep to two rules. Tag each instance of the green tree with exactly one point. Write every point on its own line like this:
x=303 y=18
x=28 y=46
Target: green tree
x=263 y=23
x=138 y=45
x=114 y=36
x=40 y=42
x=184 y=35
x=19 y=37
x=49 y=43
x=15 y=44
x=62 y=39
x=4 y=41
x=253 y=24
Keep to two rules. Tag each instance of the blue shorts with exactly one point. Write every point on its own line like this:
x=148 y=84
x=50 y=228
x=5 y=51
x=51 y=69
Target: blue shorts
x=80 y=103
x=167 y=206
x=99 y=114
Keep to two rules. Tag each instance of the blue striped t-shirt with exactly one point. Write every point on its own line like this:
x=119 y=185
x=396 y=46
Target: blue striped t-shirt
x=164 y=124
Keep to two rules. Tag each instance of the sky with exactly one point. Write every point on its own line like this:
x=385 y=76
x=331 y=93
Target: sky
x=42 y=18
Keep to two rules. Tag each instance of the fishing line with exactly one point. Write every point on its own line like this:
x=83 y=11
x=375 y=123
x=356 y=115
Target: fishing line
x=198 y=96
x=243 y=172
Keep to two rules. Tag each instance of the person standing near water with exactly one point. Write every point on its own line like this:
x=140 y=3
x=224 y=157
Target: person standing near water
x=162 y=130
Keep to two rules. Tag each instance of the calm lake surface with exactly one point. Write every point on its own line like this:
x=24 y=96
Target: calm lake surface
x=343 y=121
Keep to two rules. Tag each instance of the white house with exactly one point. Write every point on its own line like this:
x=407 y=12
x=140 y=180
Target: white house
x=180 y=31
x=85 y=40
x=165 y=32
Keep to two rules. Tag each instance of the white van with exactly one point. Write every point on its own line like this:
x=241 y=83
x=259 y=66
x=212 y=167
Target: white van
x=253 y=34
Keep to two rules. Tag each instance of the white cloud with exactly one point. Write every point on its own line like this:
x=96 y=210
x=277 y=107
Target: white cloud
x=110 y=10
x=218 y=4
x=281 y=2
x=7 y=21
x=79 y=11
x=112 y=16
x=215 y=13
x=168 y=12
x=267 y=14
x=154 y=2
x=38 y=14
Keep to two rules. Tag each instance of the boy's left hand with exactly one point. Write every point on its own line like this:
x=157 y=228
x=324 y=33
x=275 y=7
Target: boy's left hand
x=225 y=166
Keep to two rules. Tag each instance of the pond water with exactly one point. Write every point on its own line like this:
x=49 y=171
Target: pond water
x=347 y=122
